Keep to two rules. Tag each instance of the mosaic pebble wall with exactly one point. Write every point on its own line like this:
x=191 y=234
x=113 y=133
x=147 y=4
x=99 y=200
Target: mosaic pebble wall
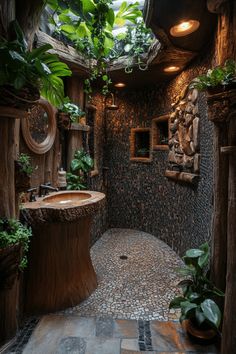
x=139 y=285
x=138 y=194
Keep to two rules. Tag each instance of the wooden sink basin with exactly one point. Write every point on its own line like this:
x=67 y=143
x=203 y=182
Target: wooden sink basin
x=66 y=198
x=60 y=272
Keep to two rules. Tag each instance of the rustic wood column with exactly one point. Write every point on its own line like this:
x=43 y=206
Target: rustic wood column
x=229 y=325
x=222 y=112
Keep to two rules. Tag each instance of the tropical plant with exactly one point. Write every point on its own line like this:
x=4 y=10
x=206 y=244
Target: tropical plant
x=13 y=232
x=133 y=44
x=89 y=24
x=72 y=109
x=199 y=293
x=219 y=76
x=24 y=162
x=20 y=68
x=80 y=166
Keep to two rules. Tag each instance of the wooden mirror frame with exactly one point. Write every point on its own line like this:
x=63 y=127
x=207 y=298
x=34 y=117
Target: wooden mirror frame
x=41 y=148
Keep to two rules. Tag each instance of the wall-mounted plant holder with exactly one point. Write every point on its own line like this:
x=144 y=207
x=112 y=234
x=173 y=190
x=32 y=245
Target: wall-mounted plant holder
x=140 y=144
x=160 y=132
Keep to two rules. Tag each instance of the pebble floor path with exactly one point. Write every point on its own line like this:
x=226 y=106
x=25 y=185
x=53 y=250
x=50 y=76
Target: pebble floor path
x=139 y=287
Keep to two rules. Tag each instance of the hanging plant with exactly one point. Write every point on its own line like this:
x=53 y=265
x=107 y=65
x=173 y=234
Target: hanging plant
x=24 y=74
x=89 y=25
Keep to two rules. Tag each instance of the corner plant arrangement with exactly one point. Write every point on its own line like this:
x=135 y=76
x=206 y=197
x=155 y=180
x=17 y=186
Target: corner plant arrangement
x=72 y=109
x=12 y=232
x=23 y=72
x=198 y=300
x=219 y=76
x=80 y=166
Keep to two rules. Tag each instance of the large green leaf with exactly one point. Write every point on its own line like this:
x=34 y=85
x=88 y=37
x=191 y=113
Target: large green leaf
x=194 y=253
x=37 y=52
x=212 y=312
x=88 y=6
x=175 y=303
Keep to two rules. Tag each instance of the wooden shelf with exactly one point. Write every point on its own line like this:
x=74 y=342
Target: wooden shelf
x=9 y=112
x=182 y=176
x=141 y=159
x=77 y=126
x=228 y=150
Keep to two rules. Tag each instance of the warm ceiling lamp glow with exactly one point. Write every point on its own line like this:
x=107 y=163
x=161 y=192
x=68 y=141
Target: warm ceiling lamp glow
x=184 y=28
x=120 y=84
x=171 y=69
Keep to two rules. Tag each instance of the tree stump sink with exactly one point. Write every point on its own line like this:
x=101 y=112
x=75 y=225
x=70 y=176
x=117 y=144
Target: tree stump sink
x=60 y=273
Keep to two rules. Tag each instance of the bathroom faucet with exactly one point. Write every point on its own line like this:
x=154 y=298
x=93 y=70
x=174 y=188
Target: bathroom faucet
x=45 y=188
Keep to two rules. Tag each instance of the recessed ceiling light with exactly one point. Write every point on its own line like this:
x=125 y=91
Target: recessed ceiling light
x=184 y=28
x=120 y=84
x=171 y=69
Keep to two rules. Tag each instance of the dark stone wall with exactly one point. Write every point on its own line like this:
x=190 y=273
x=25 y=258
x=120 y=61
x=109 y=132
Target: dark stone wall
x=138 y=194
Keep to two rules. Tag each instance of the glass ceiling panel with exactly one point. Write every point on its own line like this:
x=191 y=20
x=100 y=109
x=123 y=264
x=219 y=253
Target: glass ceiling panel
x=116 y=5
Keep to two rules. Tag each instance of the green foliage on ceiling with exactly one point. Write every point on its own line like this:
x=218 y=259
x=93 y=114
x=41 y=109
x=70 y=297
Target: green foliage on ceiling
x=89 y=25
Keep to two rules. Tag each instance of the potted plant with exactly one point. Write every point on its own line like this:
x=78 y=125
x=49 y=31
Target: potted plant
x=14 y=243
x=23 y=172
x=199 y=311
x=27 y=74
x=143 y=152
x=218 y=79
x=80 y=166
x=70 y=113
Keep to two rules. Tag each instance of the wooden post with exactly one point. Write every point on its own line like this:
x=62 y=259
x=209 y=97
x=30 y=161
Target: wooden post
x=75 y=92
x=229 y=325
x=219 y=227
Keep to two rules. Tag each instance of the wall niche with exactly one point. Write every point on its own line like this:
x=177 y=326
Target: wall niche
x=160 y=132
x=140 y=144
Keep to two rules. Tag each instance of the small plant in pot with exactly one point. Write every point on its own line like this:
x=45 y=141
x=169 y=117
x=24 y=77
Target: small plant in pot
x=70 y=113
x=217 y=79
x=199 y=310
x=143 y=152
x=23 y=172
x=80 y=167
x=14 y=243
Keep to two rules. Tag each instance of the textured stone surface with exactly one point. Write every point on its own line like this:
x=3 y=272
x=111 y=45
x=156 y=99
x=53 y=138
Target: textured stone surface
x=140 y=286
x=139 y=196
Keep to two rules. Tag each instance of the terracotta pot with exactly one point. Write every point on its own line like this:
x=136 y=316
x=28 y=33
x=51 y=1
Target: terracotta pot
x=201 y=334
x=220 y=89
x=10 y=258
x=22 y=99
x=64 y=121
x=22 y=180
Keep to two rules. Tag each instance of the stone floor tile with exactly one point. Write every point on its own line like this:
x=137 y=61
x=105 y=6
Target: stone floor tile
x=125 y=329
x=130 y=344
x=165 y=336
x=124 y=351
x=46 y=335
x=80 y=326
x=102 y=346
x=104 y=326
x=71 y=345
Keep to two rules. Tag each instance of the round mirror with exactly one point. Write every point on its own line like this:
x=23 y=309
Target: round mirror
x=39 y=128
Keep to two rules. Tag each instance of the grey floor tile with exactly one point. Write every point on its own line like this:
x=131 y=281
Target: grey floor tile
x=102 y=346
x=104 y=326
x=130 y=344
x=71 y=345
x=80 y=326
